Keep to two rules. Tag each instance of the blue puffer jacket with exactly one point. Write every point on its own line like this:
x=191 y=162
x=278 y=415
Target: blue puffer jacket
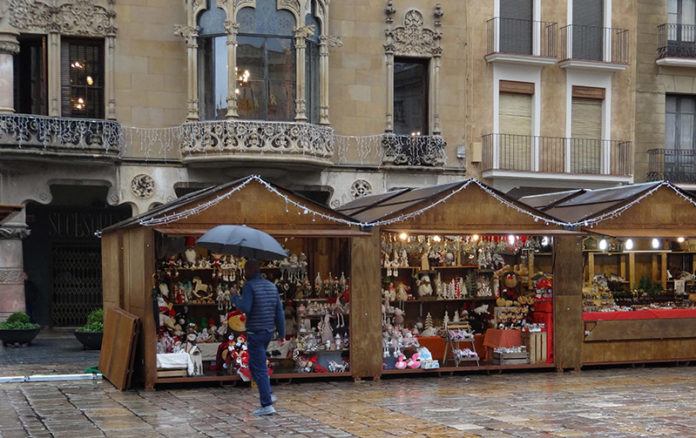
x=260 y=302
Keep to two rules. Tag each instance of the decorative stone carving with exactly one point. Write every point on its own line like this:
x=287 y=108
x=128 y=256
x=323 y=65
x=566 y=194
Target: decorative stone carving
x=11 y=276
x=12 y=233
x=143 y=186
x=188 y=33
x=62 y=135
x=360 y=188
x=331 y=40
x=335 y=203
x=77 y=17
x=413 y=39
x=257 y=137
x=9 y=47
x=291 y=5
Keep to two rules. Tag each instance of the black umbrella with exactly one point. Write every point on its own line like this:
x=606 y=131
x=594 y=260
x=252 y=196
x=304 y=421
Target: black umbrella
x=242 y=241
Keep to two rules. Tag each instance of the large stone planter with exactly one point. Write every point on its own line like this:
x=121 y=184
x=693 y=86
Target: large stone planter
x=90 y=340
x=18 y=336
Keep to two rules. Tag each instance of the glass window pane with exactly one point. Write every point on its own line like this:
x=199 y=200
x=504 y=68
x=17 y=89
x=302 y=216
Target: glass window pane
x=281 y=100
x=220 y=63
x=82 y=77
x=266 y=19
x=687 y=104
x=212 y=21
x=670 y=131
x=686 y=131
x=251 y=100
x=30 y=82
x=671 y=104
x=688 y=15
x=281 y=59
x=410 y=97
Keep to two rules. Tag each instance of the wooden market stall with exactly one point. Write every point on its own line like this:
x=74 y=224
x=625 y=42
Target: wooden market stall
x=441 y=249
x=141 y=254
x=639 y=256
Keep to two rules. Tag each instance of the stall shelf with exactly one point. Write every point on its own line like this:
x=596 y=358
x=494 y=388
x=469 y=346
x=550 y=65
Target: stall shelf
x=660 y=220
x=130 y=250
x=449 y=211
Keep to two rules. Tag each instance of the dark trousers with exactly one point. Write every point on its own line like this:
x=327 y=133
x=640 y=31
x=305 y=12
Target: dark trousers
x=257 y=344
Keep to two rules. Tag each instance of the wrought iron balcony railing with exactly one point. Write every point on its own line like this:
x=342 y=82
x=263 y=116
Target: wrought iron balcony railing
x=675 y=165
x=413 y=150
x=590 y=43
x=676 y=40
x=581 y=156
x=522 y=37
x=295 y=141
x=28 y=134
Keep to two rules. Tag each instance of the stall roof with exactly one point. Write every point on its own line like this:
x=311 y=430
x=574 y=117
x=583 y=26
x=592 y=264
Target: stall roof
x=472 y=207
x=8 y=211
x=646 y=208
x=249 y=200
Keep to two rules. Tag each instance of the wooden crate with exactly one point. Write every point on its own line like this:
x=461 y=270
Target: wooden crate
x=172 y=373
x=536 y=346
x=511 y=358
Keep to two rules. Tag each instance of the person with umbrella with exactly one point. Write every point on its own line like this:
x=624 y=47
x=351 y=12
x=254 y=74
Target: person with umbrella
x=260 y=302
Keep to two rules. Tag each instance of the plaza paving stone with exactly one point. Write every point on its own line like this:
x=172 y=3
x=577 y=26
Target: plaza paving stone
x=616 y=402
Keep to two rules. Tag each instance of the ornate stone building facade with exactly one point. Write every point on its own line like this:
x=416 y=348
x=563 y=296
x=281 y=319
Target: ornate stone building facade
x=111 y=107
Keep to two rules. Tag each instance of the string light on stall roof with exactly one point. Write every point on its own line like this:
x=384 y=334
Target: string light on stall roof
x=437 y=238
x=617 y=212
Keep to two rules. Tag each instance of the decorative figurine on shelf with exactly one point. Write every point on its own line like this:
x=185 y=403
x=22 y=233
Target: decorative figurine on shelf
x=445 y=319
x=403 y=258
x=224 y=301
x=439 y=287
x=425 y=264
x=428 y=329
x=193 y=351
x=190 y=252
x=163 y=289
x=455 y=317
x=201 y=292
x=178 y=295
x=398 y=317
x=425 y=289
x=401 y=292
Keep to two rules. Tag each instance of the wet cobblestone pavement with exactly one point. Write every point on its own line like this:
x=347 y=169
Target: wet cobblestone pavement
x=618 y=402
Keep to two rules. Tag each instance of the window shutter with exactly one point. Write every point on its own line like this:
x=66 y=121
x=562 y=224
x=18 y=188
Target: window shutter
x=586 y=129
x=515 y=114
x=588 y=12
x=520 y=9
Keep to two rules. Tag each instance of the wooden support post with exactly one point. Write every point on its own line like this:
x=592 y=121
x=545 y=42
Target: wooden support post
x=663 y=270
x=590 y=267
x=632 y=269
x=622 y=266
x=654 y=275
x=567 y=302
x=365 y=308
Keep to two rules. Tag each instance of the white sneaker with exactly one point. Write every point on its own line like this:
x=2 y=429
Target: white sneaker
x=273 y=398
x=265 y=410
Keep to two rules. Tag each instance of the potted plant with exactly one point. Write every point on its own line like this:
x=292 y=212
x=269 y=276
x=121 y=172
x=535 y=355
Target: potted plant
x=90 y=334
x=18 y=329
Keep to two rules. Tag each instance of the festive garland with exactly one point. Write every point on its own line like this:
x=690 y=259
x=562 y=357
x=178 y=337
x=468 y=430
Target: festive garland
x=304 y=209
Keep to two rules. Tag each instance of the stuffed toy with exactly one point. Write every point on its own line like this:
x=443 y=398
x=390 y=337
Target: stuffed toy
x=400 y=363
x=236 y=321
x=413 y=362
x=398 y=317
x=424 y=286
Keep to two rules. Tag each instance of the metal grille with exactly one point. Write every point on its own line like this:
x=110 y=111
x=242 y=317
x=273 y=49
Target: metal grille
x=77 y=285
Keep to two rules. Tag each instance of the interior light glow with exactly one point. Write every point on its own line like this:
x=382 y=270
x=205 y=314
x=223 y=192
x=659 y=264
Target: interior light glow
x=680 y=239
x=403 y=236
x=655 y=243
x=629 y=244
x=603 y=244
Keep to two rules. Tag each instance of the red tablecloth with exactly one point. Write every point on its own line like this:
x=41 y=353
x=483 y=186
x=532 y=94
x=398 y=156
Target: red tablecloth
x=502 y=338
x=639 y=314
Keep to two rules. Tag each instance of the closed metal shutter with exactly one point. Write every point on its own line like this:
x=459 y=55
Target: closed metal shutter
x=588 y=23
x=516 y=26
x=515 y=127
x=586 y=129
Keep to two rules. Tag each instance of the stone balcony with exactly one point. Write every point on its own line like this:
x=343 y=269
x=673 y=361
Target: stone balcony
x=245 y=141
x=40 y=137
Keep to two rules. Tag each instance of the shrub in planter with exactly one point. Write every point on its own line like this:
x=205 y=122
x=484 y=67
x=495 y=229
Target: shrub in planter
x=90 y=334
x=18 y=329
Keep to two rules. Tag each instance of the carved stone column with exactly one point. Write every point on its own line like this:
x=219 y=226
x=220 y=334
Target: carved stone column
x=11 y=270
x=8 y=47
x=110 y=62
x=232 y=29
x=301 y=35
x=325 y=42
x=54 y=99
x=190 y=34
x=389 y=11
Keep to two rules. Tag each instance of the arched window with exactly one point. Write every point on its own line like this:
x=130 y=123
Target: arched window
x=212 y=63
x=266 y=66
